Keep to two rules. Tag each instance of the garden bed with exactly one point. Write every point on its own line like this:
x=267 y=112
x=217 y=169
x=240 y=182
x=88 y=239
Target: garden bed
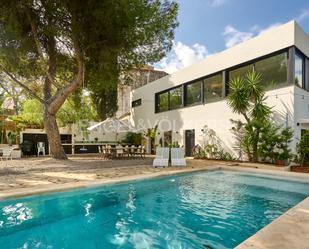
x=300 y=169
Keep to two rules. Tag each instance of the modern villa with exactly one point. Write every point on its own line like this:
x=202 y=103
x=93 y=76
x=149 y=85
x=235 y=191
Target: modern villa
x=181 y=104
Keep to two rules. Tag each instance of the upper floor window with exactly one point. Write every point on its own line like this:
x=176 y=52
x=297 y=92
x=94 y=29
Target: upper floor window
x=213 y=88
x=299 y=70
x=175 y=99
x=193 y=93
x=137 y=102
x=162 y=102
x=274 y=71
x=240 y=72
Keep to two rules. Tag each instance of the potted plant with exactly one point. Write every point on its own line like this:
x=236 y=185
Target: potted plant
x=280 y=159
x=302 y=154
x=282 y=152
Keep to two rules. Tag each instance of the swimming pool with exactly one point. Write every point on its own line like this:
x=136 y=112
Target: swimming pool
x=217 y=209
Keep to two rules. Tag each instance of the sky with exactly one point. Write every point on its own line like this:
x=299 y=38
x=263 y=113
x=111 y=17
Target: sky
x=210 y=26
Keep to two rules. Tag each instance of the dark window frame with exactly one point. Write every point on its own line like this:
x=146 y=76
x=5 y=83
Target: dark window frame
x=303 y=57
x=253 y=61
x=157 y=100
x=169 y=97
x=185 y=92
x=136 y=103
x=225 y=79
x=222 y=91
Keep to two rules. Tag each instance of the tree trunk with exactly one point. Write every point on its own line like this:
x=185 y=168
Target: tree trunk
x=53 y=136
x=255 y=153
x=255 y=156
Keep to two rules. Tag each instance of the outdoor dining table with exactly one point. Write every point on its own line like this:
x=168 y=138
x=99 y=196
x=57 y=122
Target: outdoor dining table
x=130 y=151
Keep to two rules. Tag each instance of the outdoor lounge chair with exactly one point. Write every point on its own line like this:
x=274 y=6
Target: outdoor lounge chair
x=162 y=156
x=6 y=153
x=178 y=157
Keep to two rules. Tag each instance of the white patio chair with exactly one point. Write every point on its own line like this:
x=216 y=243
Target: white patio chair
x=101 y=151
x=162 y=156
x=119 y=151
x=142 y=151
x=6 y=153
x=132 y=150
x=41 y=148
x=108 y=152
x=127 y=151
x=178 y=157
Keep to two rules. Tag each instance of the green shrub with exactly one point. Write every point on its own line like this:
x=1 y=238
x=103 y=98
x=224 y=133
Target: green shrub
x=133 y=138
x=274 y=143
x=302 y=155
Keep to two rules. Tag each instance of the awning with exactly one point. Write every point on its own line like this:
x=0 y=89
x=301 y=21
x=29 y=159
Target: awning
x=113 y=125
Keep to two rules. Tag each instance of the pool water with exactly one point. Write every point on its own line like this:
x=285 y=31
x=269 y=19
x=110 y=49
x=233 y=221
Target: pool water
x=218 y=209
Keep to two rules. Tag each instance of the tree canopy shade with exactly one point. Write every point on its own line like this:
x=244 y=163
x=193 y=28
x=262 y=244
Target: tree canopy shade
x=49 y=47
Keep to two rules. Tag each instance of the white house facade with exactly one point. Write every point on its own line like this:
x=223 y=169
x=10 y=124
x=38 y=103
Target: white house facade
x=181 y=104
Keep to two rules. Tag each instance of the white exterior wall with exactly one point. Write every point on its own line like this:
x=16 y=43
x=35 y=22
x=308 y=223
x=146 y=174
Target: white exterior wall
x=217 y=115
x=301 y=112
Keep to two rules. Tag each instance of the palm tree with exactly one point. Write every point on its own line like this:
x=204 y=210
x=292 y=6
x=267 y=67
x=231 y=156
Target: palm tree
x=247 y=98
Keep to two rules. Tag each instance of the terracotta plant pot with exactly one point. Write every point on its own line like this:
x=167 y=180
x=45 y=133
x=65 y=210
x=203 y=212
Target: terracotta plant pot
x=280 y=163
x=301 y=169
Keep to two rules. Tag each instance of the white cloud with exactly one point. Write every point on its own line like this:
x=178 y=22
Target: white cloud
x=303 y=15
x=233 y=36
x=216 y=3
x=182 y=56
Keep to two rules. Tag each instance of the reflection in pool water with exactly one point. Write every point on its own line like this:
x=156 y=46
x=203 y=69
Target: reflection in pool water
x=199 y=210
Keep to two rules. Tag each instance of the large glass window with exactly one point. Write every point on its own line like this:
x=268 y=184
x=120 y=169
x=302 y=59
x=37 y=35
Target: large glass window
x=273 y=70
x=162 y=102
x=240 y=72
x=299 y=70
x=175 y=98
x=193 y=93
x=213 y=88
